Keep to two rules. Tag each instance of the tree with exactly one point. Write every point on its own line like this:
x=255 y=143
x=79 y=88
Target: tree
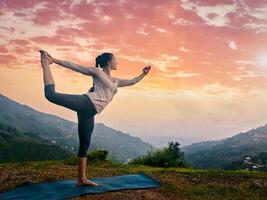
x=170 y=156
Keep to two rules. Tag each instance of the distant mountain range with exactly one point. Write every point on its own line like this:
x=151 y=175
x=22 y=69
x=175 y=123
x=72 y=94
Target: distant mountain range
x=228 y=153
x=121 y=146
x=16 y=146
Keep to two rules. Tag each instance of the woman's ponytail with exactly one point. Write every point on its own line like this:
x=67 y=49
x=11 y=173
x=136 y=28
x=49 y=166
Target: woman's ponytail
x=97 y=61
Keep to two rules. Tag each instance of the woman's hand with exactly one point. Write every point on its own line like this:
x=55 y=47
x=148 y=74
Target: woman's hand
x=49 y=58
x=146 y=69
x=44 y=57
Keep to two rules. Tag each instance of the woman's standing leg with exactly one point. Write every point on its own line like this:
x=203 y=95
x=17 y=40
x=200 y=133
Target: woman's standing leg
x=85 y=130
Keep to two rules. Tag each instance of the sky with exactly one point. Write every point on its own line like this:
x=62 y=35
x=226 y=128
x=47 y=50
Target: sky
x=208 y=77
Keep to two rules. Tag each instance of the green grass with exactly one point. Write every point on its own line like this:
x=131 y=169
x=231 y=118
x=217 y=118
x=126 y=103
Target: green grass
x=177 y=183
x=217 y=191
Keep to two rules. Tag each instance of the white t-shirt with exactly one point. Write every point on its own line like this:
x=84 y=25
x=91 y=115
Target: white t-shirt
x=104 y=90
x=104 y=86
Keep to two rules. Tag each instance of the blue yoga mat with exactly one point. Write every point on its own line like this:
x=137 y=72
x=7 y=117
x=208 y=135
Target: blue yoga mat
x=68 y=188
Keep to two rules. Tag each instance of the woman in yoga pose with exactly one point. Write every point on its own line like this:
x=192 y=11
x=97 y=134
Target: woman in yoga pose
x=88 y=104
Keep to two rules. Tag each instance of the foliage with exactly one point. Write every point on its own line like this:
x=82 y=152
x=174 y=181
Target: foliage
x=97 y=154
x=170 y=156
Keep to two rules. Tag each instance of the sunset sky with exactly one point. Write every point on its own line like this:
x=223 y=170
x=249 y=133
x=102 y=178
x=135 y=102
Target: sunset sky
x=209 y=62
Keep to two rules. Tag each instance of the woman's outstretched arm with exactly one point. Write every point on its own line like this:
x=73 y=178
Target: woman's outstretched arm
x=126 y=82
x=91 y=71
x=129 y=82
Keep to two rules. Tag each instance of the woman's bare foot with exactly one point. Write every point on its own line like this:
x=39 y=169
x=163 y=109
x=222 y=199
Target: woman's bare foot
x=85 y=182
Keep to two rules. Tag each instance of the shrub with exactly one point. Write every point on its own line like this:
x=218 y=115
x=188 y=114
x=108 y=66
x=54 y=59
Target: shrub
x=170 y=156
x=92 y=156
x=73 y=160
x=97 y=155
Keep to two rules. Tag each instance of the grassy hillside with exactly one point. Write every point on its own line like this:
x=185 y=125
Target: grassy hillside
x=227 y=153
x=177 y=183
x=18 y=146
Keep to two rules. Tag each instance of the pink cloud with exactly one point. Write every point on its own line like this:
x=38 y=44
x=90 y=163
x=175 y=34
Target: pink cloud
x=17 y=4
x=44 y=16
x=254 y=4
x=82 y=10
x=212 y=15
x=10 y=30
x=213 y=2
x=8 y=61
x=3 y=49
x=20 y=14
x=54 y=40
x=69 y=32
x=21 y=50
x=19 y=42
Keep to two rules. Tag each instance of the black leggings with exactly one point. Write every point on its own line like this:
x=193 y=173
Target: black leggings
x=85 y=109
